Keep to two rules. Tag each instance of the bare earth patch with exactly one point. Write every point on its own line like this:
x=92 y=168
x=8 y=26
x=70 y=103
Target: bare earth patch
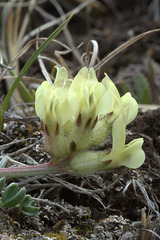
x=118 y=204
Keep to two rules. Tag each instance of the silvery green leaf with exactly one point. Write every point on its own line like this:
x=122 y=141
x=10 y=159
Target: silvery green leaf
x=30 y=210
x=3 y=162
x=10 y=192
x=16 y=199
x=27 y=200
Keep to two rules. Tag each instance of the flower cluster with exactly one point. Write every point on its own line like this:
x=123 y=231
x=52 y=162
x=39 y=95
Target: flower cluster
x=79 y=114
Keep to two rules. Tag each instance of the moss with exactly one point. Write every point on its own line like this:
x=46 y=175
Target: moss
x=60 y=236
x=83 y=231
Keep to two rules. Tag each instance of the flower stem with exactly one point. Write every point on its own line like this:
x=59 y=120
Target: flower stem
x=36 y=170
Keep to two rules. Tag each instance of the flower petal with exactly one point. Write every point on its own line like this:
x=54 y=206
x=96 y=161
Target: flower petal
x=61 y=75
x=104 y=104
x=64 y=112
x=76 y=91
x=129 y=102
x=110 y=86
x=41 y=98
x=133 y=156
x=92 y=75
x=118 y=134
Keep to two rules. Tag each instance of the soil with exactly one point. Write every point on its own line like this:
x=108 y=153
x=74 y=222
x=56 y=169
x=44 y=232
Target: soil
x=117 y=204
x=121 y=204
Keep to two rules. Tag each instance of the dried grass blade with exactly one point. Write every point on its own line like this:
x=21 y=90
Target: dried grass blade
x=26 y=21
x=27 y=66
x=89 y=56
x=55 y=21
x=123 y=47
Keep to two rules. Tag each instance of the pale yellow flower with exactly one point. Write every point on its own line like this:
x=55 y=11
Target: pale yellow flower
x=79 y=114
